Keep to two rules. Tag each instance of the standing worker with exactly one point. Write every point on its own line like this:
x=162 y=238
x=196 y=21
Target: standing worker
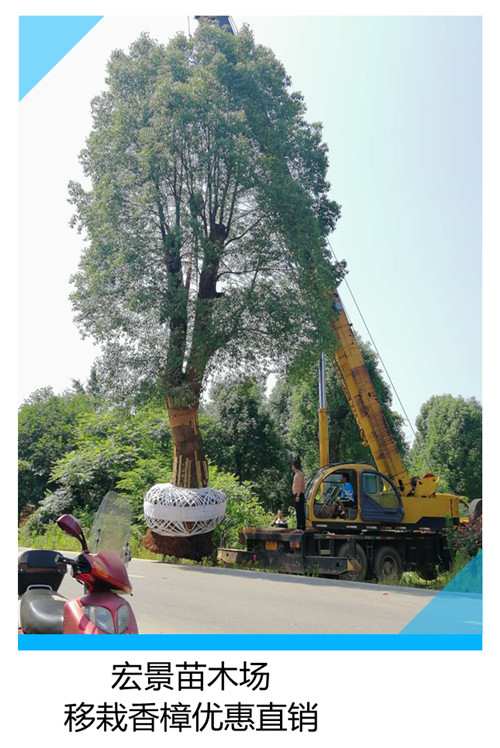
x=298 y=490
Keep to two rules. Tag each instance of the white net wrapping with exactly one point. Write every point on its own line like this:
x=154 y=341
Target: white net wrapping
x=174 y=511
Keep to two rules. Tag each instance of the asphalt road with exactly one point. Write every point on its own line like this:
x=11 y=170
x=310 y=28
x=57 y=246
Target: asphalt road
x=190 y=599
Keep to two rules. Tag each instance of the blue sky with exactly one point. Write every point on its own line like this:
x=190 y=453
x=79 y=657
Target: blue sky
x=400 y=101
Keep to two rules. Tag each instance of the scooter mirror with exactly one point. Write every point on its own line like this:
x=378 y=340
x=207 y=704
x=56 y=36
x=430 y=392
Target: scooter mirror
x=71 y=526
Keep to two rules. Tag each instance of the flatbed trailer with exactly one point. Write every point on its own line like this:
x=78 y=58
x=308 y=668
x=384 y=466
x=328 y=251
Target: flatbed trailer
x=355 y=552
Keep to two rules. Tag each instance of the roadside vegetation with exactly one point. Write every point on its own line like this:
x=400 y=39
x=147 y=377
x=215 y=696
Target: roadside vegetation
x=76 y=446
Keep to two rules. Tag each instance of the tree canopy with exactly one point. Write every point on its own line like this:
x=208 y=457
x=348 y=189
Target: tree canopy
x=205 y=214
x=449 y=443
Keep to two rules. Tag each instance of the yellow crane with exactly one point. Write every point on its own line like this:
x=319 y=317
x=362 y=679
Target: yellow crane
x=362 y=520
x=400 y=497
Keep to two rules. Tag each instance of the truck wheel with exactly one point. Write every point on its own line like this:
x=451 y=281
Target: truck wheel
x=388 y=565
x=427 y=572
x=360 y=557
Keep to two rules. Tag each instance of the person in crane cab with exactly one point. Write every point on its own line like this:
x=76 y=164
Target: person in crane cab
x=298 y=491
x=344 y=499
x=346 y=493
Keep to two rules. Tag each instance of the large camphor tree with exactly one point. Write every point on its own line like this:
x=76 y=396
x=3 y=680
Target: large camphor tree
x=205 y=212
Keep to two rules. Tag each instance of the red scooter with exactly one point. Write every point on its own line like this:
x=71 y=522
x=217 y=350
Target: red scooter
x=103 y=573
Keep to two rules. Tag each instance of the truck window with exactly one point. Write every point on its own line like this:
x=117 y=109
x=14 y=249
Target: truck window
x=379 y=490
x=332 y=494
x=330 y=488
x=324 y=500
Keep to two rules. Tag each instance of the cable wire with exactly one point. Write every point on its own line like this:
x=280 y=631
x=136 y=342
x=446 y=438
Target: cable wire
x=375 y=345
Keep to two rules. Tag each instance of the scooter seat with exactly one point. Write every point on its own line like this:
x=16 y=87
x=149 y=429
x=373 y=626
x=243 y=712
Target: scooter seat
x=42 y=611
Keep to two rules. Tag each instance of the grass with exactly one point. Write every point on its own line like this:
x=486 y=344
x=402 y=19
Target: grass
x=55 y=539
x=412 y=579
x=52 y=539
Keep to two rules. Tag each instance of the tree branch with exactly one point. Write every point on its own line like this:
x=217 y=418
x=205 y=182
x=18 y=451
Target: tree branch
x=244 y=233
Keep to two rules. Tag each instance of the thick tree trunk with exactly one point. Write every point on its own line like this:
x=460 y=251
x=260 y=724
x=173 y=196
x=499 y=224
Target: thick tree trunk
x=189 y=470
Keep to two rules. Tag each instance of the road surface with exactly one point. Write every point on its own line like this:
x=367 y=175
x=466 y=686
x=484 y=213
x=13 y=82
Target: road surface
x=173 y=598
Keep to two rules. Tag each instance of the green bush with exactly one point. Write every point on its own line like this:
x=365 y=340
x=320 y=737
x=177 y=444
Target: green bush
x=116 y=449
x=243 y=508
x=55 y=504
x=465 y=539
x=144 y=474
x=47 y=430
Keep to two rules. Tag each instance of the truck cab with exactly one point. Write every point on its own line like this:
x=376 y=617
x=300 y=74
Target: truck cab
x=351 y=494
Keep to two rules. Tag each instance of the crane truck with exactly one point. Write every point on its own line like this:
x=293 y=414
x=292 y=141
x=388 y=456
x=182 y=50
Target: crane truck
x=392 y=523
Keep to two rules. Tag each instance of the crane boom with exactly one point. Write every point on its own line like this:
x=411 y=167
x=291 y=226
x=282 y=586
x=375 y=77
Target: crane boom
x=367 y=410
x=324 y=442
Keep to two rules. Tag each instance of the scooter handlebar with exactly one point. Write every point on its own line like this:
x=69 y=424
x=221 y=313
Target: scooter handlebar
x=77 y=564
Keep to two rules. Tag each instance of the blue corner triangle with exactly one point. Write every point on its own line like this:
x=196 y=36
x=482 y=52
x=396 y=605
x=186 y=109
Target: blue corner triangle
x=457 y=609
x=43 y=41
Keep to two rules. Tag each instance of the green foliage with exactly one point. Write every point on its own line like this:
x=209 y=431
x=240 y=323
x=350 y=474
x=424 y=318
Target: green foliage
x=116 y=449
x=449 y=444
x=206 y=215
x=466 y=539
x=145 y=473
x=243 y=509
x=241 y=437
x=129 y=451
x=46 y=431
x=110 y=448
x=90 y=447
x=52 y=506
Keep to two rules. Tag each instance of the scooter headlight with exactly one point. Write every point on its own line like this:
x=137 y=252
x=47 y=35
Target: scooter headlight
x=122 y=619
x=100 y=617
